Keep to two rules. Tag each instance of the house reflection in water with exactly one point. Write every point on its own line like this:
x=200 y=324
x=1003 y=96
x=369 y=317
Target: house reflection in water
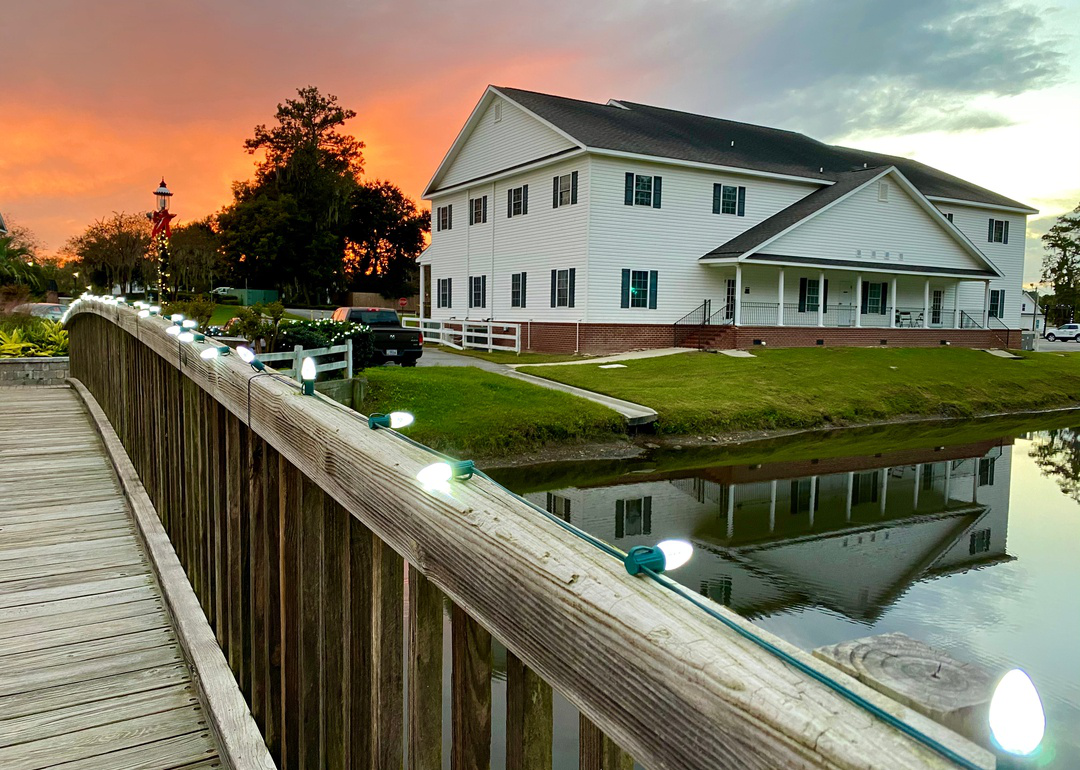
x=849 y=534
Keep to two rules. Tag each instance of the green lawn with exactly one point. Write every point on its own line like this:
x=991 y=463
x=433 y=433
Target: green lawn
x=802 y=388
x=222 y=313
x=503 y=357
x=470 y=412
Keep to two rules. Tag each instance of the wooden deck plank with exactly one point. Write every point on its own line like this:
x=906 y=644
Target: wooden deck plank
x=91 y=672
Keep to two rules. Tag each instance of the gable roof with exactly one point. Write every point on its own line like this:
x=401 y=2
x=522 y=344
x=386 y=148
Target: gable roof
x=771 y=229
x=641 y=129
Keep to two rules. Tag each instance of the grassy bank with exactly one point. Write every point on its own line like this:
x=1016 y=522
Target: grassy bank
x=470 y=412
x=804 y=388
x=509 y=357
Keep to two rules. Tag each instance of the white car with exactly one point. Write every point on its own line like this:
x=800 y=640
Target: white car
x=1064 y=333
x=222 y=290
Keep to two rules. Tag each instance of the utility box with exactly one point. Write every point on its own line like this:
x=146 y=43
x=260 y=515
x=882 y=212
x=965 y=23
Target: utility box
x=1027 y=340
x=251 y=296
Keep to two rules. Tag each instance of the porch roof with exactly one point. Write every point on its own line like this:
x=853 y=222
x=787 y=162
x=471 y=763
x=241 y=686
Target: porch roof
x=854 y=264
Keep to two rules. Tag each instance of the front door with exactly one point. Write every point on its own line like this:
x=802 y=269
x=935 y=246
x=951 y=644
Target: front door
x=937 y=302
x=841 y=303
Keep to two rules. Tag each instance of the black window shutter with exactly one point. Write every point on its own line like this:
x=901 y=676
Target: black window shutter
x=620 y=518
x=652 y=290
x=484 y=206
x=865 y=297
x=825 y=295
x=629 y=198
x=554 y=283
x=449 y=292
x=472 y=212
x=1005 y=238
x=555 y=193
x=450 y=217
x=573 y=187
x=523 y=275
x=524 y=199
x=483 y=291
x=990 y=232
x=570 y=290
x=742 y=201
x=468 y=289
x=509 y=203
x=717 y=191
x=1001 y=303
x=646 y=516
x=884 y=297
x=656 y=186
x=802 y=295
x=438 y=220
x=625 y=288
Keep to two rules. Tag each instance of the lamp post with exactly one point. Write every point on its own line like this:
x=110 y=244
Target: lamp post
x=162 y=231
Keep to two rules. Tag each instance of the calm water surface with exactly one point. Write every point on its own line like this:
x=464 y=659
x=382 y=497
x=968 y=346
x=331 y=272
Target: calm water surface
x=964 y=536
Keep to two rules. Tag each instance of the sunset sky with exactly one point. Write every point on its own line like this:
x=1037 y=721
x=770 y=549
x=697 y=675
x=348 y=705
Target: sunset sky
x=100 y=99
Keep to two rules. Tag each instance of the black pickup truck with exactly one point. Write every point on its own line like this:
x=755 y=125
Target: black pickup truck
x=392 y=341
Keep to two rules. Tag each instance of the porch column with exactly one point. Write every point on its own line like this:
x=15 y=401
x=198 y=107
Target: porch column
x=738 y=294
x=821 y=298
x=986 y=304
x=731 y=512
x=772 y=507
x=850 y=486
x=858 y=301
x=780 y=298
x=895 y=307
x=948 y=480
x=918 y=483
x=813 y=498
x=884 y=488
x=421 y=299
x=926 y=304
x=956 y=306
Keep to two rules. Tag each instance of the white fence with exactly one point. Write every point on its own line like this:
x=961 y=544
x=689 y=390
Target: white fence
x=296 y=356
x=476 y=335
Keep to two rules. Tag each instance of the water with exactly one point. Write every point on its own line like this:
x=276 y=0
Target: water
x=962 y=535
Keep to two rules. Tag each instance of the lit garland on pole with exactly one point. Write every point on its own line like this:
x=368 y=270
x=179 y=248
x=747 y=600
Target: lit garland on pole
x=159 y=236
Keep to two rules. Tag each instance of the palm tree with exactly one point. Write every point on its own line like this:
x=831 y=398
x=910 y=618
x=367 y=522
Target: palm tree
x=15 y=264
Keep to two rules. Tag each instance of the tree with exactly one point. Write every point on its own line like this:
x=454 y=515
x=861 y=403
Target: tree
x=1057 y=455
x=195 y=251
x=1061 y=263
x=17 y=262
x=114 y=251
x=385 y=234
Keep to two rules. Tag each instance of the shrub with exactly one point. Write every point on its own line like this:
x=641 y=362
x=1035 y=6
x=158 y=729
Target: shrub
x=26 y=336
x=327 y=333
x=200 y=309
x=229 y=299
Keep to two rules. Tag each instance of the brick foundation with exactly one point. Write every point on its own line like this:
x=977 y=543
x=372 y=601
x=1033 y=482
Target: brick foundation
x=33 y=371
x=617 y=338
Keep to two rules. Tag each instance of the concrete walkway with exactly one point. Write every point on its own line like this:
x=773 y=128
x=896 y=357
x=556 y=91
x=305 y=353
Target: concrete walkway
x=635 y=414
x=616 y=357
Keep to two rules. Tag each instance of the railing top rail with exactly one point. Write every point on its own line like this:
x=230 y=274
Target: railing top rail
x=629 y=654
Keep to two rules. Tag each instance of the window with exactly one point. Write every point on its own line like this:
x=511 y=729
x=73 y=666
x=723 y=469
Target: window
x=478 y=210
x=559 y=506
x=639 y=288
x=444 y=292
x=809 y=296
x=937 y=304
x=980 y=542
x=642 y=190
x=875 y=298
x=865 y=487
x=997 y=303
x=728 y=199
x=800 y=496
x=928 y=477
x=949 y=216
x=998 y=231
x=718 y=589
x=562 y=287
x=633 y=517
x=445 y=218
x=517 y=201
x=986 y=472
x=375 y=317
x=478 y=291
x=883 y=192
x=517 y=290
x=564 y=190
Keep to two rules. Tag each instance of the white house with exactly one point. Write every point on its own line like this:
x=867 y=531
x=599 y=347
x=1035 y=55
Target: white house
x=615 y=226
x=1031 y=315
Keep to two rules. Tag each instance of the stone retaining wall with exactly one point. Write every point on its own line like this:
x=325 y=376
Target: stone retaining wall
x=33 y=371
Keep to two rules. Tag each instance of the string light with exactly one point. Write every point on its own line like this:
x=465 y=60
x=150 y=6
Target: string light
x=393 y=420
x=173 y=330
x=176 y=318
x=307 y=375
x=144 y=314
x=213 y=352
x=248 y=357
x=1017 y=720
x=190 y=324
x=665 y=555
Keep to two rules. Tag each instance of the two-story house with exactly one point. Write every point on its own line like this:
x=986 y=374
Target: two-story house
x=603 y=227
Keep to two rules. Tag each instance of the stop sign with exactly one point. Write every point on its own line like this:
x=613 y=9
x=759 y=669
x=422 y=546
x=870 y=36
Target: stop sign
x=403 y=302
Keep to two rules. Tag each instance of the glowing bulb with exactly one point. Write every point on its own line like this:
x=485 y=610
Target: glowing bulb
x=1017 y=721
x=436 y=475
x=186 y=337
x=176 y=318
x=400 y=419
x=172 y=331
x=307 y=369
x=214 y=352
x=155 y=309
x=144 y=314
x=189 y=324
x=120 y=299
x=245 y=354
x=676 y=553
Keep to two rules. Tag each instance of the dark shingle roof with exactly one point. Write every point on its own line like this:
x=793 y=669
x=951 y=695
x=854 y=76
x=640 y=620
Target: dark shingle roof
x=646 y=130
x=796 y=212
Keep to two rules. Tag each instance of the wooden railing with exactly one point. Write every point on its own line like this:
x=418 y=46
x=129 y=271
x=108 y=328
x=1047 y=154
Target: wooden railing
x=295 y=357
x=298 y=525
x=471 y=335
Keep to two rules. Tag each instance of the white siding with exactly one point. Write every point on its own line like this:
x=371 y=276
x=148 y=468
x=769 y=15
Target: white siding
x=864 y=228
x=670 y=239
x=1009 y=259
x=492 y=147
x=536 y=243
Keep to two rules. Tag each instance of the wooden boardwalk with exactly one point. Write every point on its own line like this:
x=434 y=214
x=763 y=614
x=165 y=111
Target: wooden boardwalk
x=91 y=673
